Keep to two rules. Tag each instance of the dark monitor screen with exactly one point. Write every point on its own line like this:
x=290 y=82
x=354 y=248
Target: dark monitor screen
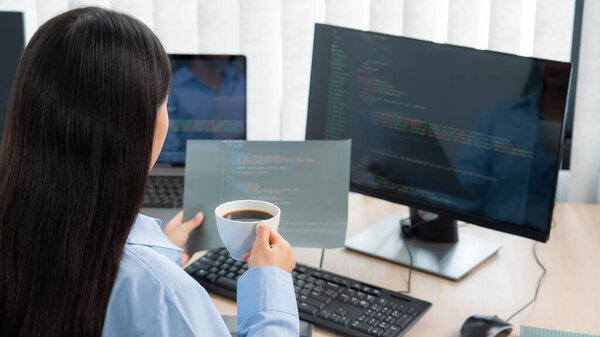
x=207 y=100
x=11 y=47
x=462 y=132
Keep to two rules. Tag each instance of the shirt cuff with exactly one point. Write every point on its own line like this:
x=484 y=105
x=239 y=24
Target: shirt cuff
x=265 y=288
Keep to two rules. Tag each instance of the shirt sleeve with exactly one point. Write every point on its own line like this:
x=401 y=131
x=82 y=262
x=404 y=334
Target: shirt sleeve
x=267 y=303
x=188 y=312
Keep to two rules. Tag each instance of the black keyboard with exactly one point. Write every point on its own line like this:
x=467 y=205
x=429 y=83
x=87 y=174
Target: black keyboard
x=332 y=301
x=164 y=192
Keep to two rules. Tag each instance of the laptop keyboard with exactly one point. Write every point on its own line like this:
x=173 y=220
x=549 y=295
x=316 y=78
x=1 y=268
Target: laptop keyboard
x=164 y=192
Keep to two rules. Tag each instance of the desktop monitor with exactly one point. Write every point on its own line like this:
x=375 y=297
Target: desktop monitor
x=454 y=133
x=12 y=42
x=207 y=100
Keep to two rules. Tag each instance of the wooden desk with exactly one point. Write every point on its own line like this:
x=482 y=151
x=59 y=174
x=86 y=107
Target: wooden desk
x=569 y=298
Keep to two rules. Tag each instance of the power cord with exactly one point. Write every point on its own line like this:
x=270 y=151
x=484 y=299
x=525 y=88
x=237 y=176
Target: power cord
x=405 y=232
x=544 y=271
x=410 y=268
x=537 y=289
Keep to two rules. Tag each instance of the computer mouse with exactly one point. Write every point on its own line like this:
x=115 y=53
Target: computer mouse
x=485 y=326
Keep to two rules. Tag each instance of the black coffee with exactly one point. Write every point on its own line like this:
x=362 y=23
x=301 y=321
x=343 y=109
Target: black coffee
x=250 y=215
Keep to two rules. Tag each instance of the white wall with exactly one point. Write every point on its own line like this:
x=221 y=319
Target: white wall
x=276 y=36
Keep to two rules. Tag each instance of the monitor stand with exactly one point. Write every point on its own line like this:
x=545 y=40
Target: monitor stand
x=434 y=242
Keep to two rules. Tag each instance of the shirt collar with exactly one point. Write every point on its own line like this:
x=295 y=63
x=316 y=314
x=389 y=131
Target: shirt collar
x=146 y=231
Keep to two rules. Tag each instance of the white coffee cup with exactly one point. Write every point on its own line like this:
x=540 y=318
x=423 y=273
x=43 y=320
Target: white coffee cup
x=238 y=236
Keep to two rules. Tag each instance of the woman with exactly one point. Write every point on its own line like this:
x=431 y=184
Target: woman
x=86 y=120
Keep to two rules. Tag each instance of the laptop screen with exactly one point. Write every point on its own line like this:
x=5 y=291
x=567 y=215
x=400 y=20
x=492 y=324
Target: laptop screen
x=207 y=100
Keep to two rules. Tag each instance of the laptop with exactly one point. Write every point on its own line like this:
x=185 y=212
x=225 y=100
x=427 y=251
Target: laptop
x=207 y=100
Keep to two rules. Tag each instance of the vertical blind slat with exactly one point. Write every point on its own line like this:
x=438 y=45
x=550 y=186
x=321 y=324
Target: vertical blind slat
x=387 y=16
x=347 y=13
x=142 y=10
x=48 y=9
x=505 y=25
x=299 y=19
x=219 y=26
x=420 y=19
x=176 y=24
x=260 y=41
x=554 y=29
x=463 y=22
x=82 y=3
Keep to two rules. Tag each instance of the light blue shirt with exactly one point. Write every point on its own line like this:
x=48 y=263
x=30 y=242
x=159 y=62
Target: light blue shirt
x=154 y=296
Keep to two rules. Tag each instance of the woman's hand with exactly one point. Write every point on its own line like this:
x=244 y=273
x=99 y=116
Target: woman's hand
x=270 y=249
x=178 y=231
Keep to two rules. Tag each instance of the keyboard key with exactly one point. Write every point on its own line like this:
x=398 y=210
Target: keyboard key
x=201 y=273
x=412 y=311
x=376 y=332
x=324 y=314
x=212 y=277
x=197 y=265
x=330 y=293
x=332 y=286
x=344 y=321
x=307 y=308
x=341 y=311
x=403 y=321
x=376 y=307
x=334 y=317
x=360 y=326
x=373 y=322
x=311 y=301
x=227 y=283
x=392 y=331
x=383 y=325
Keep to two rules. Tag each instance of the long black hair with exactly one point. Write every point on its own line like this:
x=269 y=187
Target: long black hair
x=73 y=167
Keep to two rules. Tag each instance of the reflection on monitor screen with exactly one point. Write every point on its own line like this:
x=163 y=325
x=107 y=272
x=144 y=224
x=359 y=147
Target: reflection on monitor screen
x=207 y=100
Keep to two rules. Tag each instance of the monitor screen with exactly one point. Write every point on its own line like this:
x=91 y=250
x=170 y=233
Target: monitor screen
x=468 y=133
x=207 y=100
x=12 y=41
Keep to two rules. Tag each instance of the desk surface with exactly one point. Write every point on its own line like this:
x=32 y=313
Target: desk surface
x=569 y=297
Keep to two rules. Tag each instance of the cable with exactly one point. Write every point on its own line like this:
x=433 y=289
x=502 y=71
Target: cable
x=538 y=285
x=321 y=260
x=537 y=289
x=410 y=268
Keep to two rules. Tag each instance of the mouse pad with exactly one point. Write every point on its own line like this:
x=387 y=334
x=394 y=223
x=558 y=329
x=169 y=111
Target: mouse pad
x=527 y=331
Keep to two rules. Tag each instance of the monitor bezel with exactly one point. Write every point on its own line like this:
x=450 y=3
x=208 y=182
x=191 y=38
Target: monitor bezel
x=502 y=226
x=237 y=57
